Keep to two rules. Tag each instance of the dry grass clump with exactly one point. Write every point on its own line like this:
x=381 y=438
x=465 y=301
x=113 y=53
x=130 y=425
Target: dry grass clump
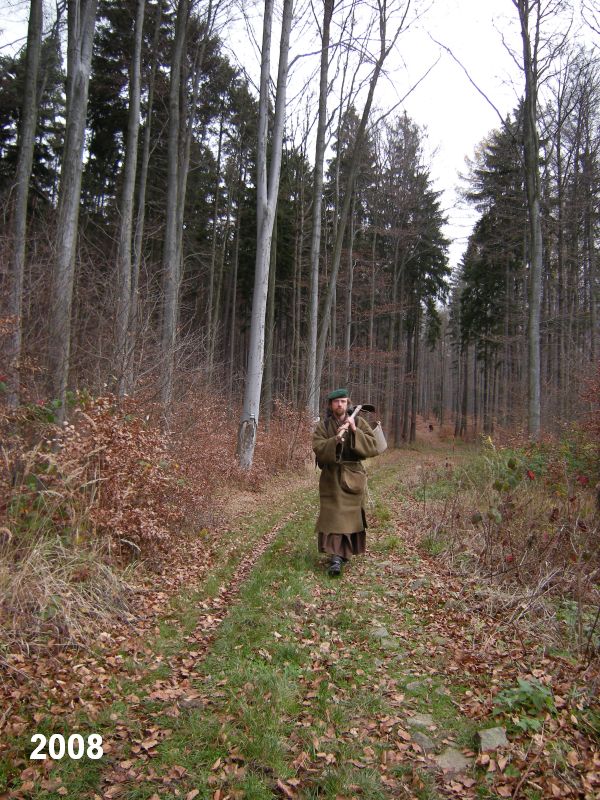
x=57 y=595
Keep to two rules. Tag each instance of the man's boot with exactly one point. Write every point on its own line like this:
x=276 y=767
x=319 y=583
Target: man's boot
x=335 y=567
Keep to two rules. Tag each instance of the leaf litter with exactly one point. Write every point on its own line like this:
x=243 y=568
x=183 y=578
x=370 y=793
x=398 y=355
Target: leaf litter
x=446 y=645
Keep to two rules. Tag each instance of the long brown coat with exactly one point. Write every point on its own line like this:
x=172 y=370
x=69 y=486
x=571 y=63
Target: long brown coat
x=341 y=511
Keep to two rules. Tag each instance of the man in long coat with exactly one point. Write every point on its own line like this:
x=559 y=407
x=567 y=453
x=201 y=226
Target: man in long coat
x=340 y=444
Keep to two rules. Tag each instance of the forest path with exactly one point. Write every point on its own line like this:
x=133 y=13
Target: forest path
x=263 y=677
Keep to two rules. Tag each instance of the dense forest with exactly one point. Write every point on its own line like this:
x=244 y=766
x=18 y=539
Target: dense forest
x=168 y=227
x=214 y=212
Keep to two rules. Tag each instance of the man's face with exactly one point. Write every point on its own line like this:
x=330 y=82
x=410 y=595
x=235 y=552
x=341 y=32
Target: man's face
x=339 y=406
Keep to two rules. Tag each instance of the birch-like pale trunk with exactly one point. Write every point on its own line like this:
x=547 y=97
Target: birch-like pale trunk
x=143 y=182
x=531 y=147
x=315 y=247
x=171 y=256
x=125 y=301
x=267 y=190
x=268 y=379
x=81 y=16
x=384 y=51
x=16 y=271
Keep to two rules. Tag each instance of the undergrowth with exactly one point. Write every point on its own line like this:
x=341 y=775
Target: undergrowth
x=82 y=501
x=526 y=519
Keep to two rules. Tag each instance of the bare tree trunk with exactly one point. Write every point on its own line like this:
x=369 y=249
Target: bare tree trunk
x=464 y=404
x=217 y=319
x=384 y=51
x=270 y=330
x=233 y=305
x=81 y=24
x=532 y=181
x=349 y=282
x=313 y=392
x=391 y=399
x=267 y=191
x=369 y=393
x=16 y=271
x=141 y=212
x=125 y=302
x=211 y=310
x=296 y=395
x=171 y=256
x=415 y=381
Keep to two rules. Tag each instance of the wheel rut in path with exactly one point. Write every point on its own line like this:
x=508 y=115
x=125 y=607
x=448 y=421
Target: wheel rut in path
x=178 y=688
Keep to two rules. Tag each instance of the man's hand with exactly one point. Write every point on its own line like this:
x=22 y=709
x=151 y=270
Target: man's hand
x=350 y=423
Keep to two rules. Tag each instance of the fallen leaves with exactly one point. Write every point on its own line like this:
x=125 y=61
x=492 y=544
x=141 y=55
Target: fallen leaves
x=444 y=648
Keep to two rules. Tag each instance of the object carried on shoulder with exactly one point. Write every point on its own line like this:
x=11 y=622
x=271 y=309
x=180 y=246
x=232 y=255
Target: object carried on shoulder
x=380 y=442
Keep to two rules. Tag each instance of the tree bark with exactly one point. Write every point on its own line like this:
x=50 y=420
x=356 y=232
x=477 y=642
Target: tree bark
x=348 y=315
x=125 y=300
x=532 y=182
x=19 y=212
x=211 y=310
x=267 y=191
x=81 y=24
x=270 y=331
x=313 y=392
x=171 y=278
x=141 y=212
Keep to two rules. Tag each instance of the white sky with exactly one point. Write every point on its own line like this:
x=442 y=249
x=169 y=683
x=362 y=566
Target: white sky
x=446 y=104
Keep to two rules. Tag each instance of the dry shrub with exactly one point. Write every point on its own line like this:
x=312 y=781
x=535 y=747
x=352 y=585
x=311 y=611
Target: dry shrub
x=287 y=444
x=527 y=521
x=79 y=500
x=111 y=474
x=70 y=498
x=103 y=476
x=446 y=433
x=203 y=446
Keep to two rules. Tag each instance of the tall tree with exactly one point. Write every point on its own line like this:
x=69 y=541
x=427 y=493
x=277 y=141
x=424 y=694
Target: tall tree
x=171 y=277
x=532 y=15
x=267 y=192
x=312 y=401
x=81 y=18
x=125 y=300
x=385 y=47
x=19 y=210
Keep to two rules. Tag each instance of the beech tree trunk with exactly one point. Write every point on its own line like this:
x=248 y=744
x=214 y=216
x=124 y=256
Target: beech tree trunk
x=269 y=374
x=81 y=23
x=171 y=255
x=348 y=315
x=384 y=50
x=267 y=191
x=313 y=390
x=141 y=212
x=125 y=300
x=531 y=146
x=19 y=212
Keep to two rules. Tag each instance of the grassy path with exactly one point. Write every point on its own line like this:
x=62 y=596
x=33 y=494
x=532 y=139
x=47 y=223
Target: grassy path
x=271 y=679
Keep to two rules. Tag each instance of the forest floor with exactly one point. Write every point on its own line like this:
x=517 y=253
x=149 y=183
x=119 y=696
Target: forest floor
x=243 y=671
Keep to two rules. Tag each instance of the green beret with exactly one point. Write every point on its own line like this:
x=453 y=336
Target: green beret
x=337 y=393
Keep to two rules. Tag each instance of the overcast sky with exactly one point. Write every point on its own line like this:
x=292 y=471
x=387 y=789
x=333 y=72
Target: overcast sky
x=457 y=117
x=453 y=112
